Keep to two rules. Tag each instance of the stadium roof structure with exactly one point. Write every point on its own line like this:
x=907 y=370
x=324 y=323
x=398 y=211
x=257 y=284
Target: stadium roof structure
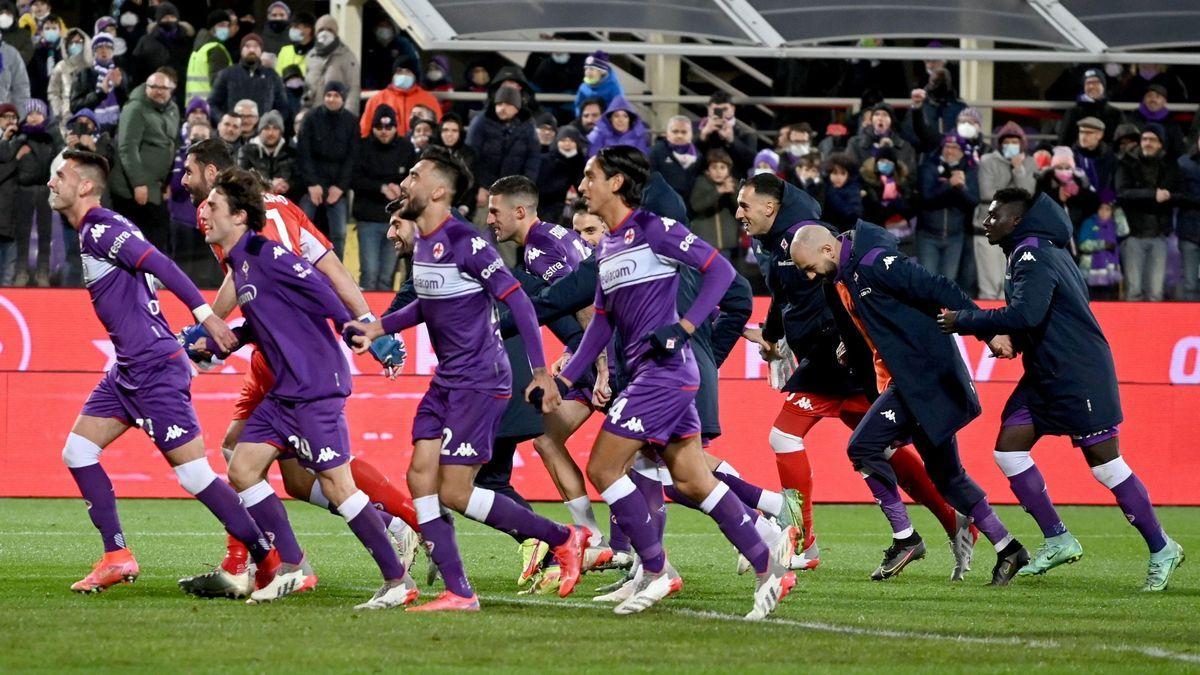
x=1043 y=30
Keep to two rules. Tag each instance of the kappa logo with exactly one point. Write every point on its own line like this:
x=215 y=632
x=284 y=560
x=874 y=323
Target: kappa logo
x=278 y=251
x=1028 y=255
x=533 y=253
x=629 y=235
x=477 y=245
x=889 y=415
x=174 y=431
x=465 y=450
x=438 y=250
x=326 y=454
x=887 y=262
x=634 y=424
x=804 y=403
x=668 y=223
x=98 y=231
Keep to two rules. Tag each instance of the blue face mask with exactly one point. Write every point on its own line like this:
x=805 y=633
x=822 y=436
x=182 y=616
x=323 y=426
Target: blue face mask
x=222 y=34
x=885 y=167
x=1010 y=151
x=75 y=49
x=50 y=36
x=403 y=81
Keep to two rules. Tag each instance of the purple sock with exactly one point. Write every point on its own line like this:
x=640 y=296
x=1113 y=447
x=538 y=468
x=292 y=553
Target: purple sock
x=652 y=492
x=1030 y=490
x=97 y=492
x=223 y=502
x=629 y=508
x=273 y=521
x=736 y=521
x=368 y=527
x=616 y=536
x=504 y=514
x=680 y=498
x=989 y=523
x=748 y=493
x=888 y=498
x=1135 y=502
x=439 y=539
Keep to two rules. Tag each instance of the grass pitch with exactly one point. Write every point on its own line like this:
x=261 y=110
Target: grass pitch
x=1085 y=617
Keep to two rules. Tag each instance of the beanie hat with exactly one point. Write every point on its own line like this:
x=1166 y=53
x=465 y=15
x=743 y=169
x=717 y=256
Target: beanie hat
x=971 y=114
x=197 y=103
x=1010 y=130
x=281 y=5
x=290 y=72
x=252 y=37
x=215 y=17
x=510 y=95
x=102 y=40
x=1158 y=89
x=6 y=108
x=165 y=9
x=335 y=85
x=102 y=23
x=271 y=118
x=768 y=156
x=572 y=132
x=303 y=19
x=545 y=119
x=84 y=113
x=948 y=139
x=327 y=22
x=384 y=114
x=407 y=62
x=1153 y=128
x=1096 y=73
x=1064 y=153
x=598 y=59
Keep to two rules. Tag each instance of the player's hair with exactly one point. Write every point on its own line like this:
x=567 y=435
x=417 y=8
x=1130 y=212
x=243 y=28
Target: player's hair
x=518 y=188
x=579 y=205
x=766 y=184
x=244 y=191
x=1014 y=194
x=212 y=151
x=629 y=162
x=452 y=168
x=90 y=163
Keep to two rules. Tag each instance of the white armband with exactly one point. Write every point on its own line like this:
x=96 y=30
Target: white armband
x=369 y=317
x=202 y=313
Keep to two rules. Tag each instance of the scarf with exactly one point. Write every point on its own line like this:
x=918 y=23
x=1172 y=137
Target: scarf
x=1151 y=116
x=326 y=50
x=108 y=113
x=685 y=155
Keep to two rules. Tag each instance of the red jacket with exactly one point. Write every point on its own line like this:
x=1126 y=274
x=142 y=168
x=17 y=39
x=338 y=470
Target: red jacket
x=402 y=102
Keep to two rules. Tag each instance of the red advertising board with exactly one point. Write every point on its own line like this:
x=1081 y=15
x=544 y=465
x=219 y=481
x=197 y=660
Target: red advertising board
x=53 y=351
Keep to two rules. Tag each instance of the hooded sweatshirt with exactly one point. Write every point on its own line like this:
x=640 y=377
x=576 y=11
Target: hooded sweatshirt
x=605 y=135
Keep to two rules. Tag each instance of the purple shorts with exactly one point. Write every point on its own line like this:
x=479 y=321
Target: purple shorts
x=581 y=395
x=156 y=398
x=467 y=421
x=653 y=414
x=315 y=431
x=1021 y=416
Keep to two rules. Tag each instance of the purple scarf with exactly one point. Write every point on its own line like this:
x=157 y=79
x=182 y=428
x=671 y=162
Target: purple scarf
x=1150 y=115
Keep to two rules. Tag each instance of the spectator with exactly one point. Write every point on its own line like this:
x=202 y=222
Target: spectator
x=192 y=255
x=878 y=133
x=1097 y=244
x=1005 y=167
x=326 y=154
x=331 y=61
x=935 y=111
x=837 y=140
x=169 y=43
x=10 y=144
x=556 y=73
x=47 y=51
x=103 y=87
x=1146 y=75
x=14 y=78
x=74 y=58
x=452 y=136
x=179 y=200
x=84 y=133
x=437 y=78
x=39 y=143
x=887 y=194
x=209 y=55
x=229 y=129
x=248 y=80
x=1153 y=108
x=146 y=140
x=302 y=41
x=477 y=76
x=843 y=205
x=383 y=160
x=675 y=156
x=420 y=133
x=128 y=29
x=401 y=94
x=1093 y=102
x=561 y=171
x=512 y=76
x=1146 y=183
x=13 y=35
x=590 y=113
x=269 y=155
x=949 y=195
x=806 y=175
x=275 y=33
x=547 y=130
x=1093 y=155
x=720 y=129
x=386 y=45
x=598 y=82
x=794 y=142
x=293 y=91
x=247 y=114
x=1127 y=139
x=1068 y=186
x=620 y=125
x=197 y=110
x=505 y=142
x=714 y=204
x=1188 y=228
x=766 y=161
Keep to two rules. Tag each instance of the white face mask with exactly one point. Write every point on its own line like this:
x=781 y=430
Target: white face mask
x=6 y=21
x=325 y=38
x=129 y=19
x=967 y=130
x=799 y=149
x=570 y=154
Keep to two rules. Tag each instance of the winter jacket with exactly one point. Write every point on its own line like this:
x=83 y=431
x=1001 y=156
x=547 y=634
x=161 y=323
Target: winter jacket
x=45 y=57
x=935 y=118
x=679 y=177
x=16 y=36
x=63 y=76
x=946 y=210
x=1099 y=165
x=328 y=147
x=863 y=145
x=504 y=148
x=1070 y=382
x=606 y=90
x=1188 y=198
x=378 y=164
x=604 y=135
x=1068 y=130
x=713 y=215
x=34 y=168
x=270 y=164
x=843 y=207
x=403 y=102
x=556 y=176
x=86 y=93
x=147 y=138
x=8 y=185
x=1175 y=143
x=327 y=64
x=1079 y=206
x=14 y=79
x=259 y=84
x=1138 y=178
x=741 y=149
x=897 y=302
x=996 y=172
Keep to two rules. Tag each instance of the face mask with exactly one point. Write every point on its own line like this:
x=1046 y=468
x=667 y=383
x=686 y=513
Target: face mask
x=569 y=154
x=434 y=74
x=1112 y=69
x=294 y=83
x=1010 y=151
x=325 y=38
x=799 y=149
x=560 y=59
x=75 y=49
x=402 y=81
x=129 y=19
x=384 y=35
x=885 y=167
x=167 y=29
x=6 y=21
x=119 y=46
x=1064 y=175
x=295 y=34
x=222 y=34
x=1147 y=73
x=967 y=130
x=50 y=36
x=277 y=25
x=591 y=80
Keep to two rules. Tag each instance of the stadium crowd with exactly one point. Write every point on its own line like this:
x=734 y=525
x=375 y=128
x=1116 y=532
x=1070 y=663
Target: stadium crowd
x=146 y=79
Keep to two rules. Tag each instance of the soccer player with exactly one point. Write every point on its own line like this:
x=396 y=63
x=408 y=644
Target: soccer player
x=287 y=306
x=286 y=224
x=926 y=393
x=1070 y=383
x=822 y=386
x=149 y=384
x=457 y=274
x=638 y=263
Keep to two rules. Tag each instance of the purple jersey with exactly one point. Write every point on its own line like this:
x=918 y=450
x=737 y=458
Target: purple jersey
x=456 y=274
x=124 y=296
x=639 y=262
x=552 y=251
x=287 y=304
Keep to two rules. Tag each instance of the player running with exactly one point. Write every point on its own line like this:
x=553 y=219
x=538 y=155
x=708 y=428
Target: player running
x=287 y=306
x=926 y=393
x=1070 y=382
x=457 y=274
x=149 y=384
x=638 y=263
x=286 y=224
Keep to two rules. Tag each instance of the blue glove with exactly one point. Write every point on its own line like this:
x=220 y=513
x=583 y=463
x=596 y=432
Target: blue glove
x=668 y=340
x=389 y=351
x=189 y=336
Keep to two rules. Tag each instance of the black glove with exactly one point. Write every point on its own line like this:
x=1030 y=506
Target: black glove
x=535 y=396
x=668 y=340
